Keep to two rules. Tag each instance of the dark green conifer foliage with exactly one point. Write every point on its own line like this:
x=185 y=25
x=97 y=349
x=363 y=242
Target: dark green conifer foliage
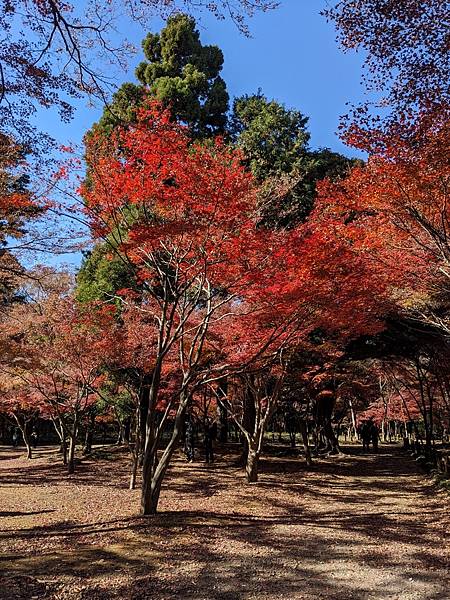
x=183 y=74
x=275 y=141
x=101 y=276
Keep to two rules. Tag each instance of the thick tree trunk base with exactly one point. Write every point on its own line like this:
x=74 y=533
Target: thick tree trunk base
x=150 y=499
x=251 y=469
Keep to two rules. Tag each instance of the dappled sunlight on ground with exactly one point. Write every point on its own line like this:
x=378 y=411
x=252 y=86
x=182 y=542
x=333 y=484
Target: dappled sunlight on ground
x=364 y=527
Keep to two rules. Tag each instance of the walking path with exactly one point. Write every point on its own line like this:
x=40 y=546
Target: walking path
x=362 y=527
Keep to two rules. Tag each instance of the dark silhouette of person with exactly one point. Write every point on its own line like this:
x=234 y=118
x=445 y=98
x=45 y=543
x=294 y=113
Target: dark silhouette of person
x=210 y=436
x=374 y=433
x=365 y=432
x=34 y=437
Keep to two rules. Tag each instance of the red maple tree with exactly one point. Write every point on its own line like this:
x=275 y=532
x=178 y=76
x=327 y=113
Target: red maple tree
x=58 y=350
x=220 y=292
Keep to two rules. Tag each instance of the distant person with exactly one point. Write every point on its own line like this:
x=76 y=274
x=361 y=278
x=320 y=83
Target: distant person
x=210 y=436
x=365 y=433
x=15 y=437
x=374 y=435
x=34 y=437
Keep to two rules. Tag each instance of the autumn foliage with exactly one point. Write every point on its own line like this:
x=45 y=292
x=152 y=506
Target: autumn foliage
x=394 y=213
x=222 y=293
x=340 y=315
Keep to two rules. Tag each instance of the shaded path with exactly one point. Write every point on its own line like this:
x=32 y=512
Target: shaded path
x=356 y=527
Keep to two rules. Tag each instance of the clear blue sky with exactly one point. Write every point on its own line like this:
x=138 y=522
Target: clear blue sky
x=292 y=55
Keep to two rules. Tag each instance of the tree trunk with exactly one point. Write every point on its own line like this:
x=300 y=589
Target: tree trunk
x=137 y=447
x=27 y=442
x=144 y=401
x=71 y=459
x=153 y=475
x=72 y=443
x=291 y=426
x=304 y=434
x=64 y=450
x=29 y=452
x=222 y=391
x=150 y=449
x=248 y=422
x=127 y=430
x=121 y=433
x=23 y=426
x=254 y=450
x=353 y=416
x=134 y=469
x=59 y=428
x=251 y=468
x=87 y=449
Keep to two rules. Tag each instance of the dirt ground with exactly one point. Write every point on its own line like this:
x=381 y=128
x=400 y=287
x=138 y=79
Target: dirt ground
x=363 y=527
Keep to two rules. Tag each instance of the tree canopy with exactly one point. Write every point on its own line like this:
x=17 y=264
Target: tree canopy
x=180 y=73
x=275 y=143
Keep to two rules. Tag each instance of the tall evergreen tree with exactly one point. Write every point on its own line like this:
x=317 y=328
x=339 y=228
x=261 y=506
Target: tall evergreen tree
x=182 y=74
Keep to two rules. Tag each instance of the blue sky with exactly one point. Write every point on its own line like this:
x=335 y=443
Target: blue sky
x=292 y=55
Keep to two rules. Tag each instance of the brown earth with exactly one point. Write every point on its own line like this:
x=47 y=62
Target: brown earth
x=362 y=527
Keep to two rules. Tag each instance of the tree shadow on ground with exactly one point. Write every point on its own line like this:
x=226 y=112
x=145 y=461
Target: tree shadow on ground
x=266 y=545
x=22 y=513
x=88 y=471
x=232 y=557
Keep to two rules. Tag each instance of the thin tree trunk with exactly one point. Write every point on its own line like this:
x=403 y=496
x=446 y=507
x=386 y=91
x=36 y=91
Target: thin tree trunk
x=144 y=401
x=71 y=458
x=29 y=452
x=87 y=449
x=27 y=442
x=64 y=450
x=222 y=391
x=153 y=474
x=127 y=430
x=73 y=441
x=304 y=434
x=134 y=469
x=137 y=447
x=248 y=422
x=26 y=439
x=60 y=430
x=353 y=416
x=120 y=435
